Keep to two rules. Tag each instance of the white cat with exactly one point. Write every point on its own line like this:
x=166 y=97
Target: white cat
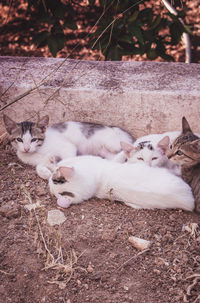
x=150 y=149
x=40 y=146
x=137 y=185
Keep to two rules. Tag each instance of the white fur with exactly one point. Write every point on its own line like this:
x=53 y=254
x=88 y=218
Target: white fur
x=155 y=138
x=137 y=185
x=104 y=142
x=155 y=157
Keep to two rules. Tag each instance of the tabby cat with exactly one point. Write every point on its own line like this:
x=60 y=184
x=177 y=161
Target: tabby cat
x=185 y=151
x=39 y=145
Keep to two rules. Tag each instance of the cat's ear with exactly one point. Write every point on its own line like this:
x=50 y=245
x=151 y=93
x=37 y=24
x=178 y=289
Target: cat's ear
x=66 y=172
x=164 y=144
x=9 y=124
x=185 y=126
x=127 y=148
x=43 y=123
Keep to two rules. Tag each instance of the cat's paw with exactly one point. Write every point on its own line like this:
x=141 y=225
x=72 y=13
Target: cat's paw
x=63 y=202
x=43 y=172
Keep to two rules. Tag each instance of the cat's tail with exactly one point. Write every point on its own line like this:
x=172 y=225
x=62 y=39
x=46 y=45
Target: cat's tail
x=180 y=197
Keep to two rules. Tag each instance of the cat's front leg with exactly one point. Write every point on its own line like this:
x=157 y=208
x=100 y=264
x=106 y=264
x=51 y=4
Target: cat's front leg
x=43 y=172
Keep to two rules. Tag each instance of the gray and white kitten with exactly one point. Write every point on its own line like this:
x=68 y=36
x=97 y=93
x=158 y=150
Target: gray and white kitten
x=40 y=146
x=151 y=150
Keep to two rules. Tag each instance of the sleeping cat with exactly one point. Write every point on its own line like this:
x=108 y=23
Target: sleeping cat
x=137 y=185
x=185 y=151
x=150 y=149
x=40 y=146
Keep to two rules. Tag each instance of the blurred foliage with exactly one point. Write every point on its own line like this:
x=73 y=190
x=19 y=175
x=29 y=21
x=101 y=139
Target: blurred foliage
x=124 y=27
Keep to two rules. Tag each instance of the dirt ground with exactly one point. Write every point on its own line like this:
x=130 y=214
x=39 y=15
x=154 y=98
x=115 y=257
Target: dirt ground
x=88 y=258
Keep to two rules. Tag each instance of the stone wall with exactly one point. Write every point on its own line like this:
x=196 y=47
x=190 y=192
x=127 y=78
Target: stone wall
x=141 y=97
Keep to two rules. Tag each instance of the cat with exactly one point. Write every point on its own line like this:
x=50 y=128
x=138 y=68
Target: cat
x=150 y=149
x=185 y=151
x=137 y=185
x=42 y=146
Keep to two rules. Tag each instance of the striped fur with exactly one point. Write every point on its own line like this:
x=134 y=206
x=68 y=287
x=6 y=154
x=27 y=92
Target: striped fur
x=185 y=151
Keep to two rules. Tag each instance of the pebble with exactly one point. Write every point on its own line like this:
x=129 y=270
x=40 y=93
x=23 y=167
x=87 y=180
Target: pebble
x=157 y=271
x=78 y=282
x=109 y=235
x=55 y=216
x=2 y=289
x=10 y=210
x=90 y=268
x=40 y=191
x=139 y=243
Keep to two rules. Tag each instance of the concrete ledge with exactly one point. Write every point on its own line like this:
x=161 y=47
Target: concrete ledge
x=142 y=97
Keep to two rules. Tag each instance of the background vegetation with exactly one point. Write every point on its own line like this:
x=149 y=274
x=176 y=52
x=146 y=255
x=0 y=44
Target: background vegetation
x=114 y=29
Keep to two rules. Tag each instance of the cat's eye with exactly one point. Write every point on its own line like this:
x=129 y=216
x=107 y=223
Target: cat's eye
x=179 y=153
x=154 y=158
x=140 y=159
x=34 y=139
x=19 y=139
x=170 y=147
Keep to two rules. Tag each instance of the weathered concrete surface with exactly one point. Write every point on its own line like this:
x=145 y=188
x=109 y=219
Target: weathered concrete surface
x=142 y=97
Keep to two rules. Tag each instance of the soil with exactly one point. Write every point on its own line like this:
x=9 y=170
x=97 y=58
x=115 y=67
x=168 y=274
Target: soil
x=88 y=258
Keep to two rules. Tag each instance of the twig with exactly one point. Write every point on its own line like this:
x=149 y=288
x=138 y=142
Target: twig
x=7 y=17
x=6 y=273
x=24 y=63
x=111 y=23
x=28 y=195
x=186 y=38
x=134 y=257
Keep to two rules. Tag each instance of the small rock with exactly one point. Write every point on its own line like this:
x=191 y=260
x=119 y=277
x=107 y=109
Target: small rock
x=89 y=268
x=109 y=235
x=113 y=255
x=40 y=191
x=78 y=282
x=55 y=216
x=160 y=262
x=157 y=271
x=139 y=243
x=10 y=210
x=2 y=289
x=104 y=278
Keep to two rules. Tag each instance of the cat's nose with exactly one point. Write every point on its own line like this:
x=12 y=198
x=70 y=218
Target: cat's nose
x=26 y=149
